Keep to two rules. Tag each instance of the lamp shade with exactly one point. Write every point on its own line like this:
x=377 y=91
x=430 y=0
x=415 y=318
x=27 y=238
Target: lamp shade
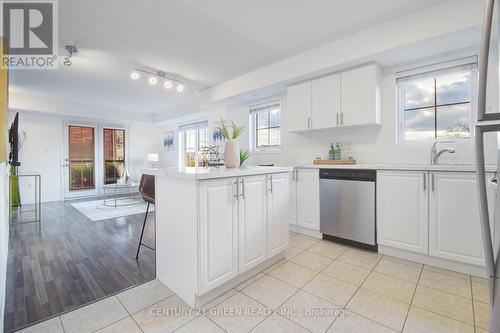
x=153 y=157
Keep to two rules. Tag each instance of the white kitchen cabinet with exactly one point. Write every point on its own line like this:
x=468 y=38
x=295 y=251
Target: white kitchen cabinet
x=252 y=218
x=218 y=232
x=277 y=213
x=325 y=99
x=402 y=208
x=299 y=107
x=307 y=181
x=292 y=200
x=360 y=96
x=454 y=226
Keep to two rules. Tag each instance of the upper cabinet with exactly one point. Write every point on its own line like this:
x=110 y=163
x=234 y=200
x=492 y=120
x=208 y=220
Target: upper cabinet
x=299 y=107
x=325 y=102
x=350 y=98
x=360 y=96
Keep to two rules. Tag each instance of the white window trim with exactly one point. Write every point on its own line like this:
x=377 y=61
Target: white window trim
x=432 y=67
x=252 y=128
x=181 y=129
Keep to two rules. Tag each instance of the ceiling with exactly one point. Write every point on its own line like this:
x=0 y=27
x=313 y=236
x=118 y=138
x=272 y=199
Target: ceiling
x=202 y=42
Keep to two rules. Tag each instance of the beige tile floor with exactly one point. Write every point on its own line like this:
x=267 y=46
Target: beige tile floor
x=319 y=287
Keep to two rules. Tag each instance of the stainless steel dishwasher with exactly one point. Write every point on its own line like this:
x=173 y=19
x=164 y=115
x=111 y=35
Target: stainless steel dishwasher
x=347 y=206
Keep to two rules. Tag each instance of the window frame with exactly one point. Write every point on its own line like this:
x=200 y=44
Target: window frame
x=253 y=111
x=182 y=129
x=429 y=69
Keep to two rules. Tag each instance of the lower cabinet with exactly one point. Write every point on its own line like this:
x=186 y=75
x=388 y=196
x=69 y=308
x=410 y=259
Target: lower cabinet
x=307 y=186
x=242 y=222
x=252 y=221
x=218 y=227
x=454 y=226
x=277 y=213
x=402 y=209
x=434 y=213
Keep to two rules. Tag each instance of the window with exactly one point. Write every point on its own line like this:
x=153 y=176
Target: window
x=437 y=103
x=192 y=138
x=81 y=159
x=265 y=133
x=114 y=154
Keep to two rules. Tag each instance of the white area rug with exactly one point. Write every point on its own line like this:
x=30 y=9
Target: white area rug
x=96 y=211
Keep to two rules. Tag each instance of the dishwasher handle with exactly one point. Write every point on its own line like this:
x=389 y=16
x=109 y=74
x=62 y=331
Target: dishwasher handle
x=348 y=174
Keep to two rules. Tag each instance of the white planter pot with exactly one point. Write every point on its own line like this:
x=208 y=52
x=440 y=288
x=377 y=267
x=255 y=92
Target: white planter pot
x=232 y=154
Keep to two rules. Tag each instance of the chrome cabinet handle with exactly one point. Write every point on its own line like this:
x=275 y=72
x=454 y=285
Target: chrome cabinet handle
x=293 y=175
x=337 y=119
x=271 y=183
x=341 y=118
x=237 y=195
x=425 y=181
x=243 y=189
x=297 y=175
x=308 y=122
x=432 y=183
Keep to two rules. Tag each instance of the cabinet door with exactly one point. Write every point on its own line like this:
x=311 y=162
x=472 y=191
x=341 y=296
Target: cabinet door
x=218 y=223
x=252 y=221
x=325 y=111
x=360 y=96
x=308 y=198
x=454 y=226
x=292 y=201
x=299 y=107
x=277 y=213
x=402 y=210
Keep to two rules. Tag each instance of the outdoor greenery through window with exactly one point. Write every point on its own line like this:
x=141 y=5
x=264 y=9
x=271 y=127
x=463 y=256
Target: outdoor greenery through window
x=266 y=130
x=81 y=157
x=437 y=104
x=114 y=154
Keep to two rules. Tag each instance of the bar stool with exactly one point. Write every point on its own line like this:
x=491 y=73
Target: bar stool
x=147 y=191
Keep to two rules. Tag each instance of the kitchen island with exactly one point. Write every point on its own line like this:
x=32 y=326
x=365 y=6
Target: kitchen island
x=216 y=227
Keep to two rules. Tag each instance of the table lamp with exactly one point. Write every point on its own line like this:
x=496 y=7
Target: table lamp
x=153 y=158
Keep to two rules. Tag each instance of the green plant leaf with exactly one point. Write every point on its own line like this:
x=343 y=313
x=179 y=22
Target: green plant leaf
x=244 y=155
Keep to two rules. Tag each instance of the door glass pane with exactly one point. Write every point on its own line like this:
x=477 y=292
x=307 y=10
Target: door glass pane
x=114 y=154
x=453 y=121
x=419 y=124
x=81 y=157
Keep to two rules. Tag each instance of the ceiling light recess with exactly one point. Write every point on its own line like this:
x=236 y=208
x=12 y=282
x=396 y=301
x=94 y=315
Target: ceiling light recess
x=159 y=76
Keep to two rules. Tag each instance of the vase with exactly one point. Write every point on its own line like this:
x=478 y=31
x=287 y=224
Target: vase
x=232 y=154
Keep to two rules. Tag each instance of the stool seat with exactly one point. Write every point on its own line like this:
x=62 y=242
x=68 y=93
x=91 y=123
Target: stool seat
x=147 y=191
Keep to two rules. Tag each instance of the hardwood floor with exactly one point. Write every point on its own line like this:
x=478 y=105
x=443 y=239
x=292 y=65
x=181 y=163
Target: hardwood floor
x=72 y=261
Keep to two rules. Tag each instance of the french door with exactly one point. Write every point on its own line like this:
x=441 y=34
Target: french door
x=81 y=170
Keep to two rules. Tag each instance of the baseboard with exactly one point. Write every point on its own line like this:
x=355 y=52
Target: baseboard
x=213 y=294
x=433 y=261
x=305 y=231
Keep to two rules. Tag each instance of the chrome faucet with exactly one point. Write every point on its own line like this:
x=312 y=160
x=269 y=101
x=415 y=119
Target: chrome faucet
x=435 y=154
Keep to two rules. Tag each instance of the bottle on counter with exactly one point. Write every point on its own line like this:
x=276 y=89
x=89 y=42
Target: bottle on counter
x=336 y=152
x=331 y=152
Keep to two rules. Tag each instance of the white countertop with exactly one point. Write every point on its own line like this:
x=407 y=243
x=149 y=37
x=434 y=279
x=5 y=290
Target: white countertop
x=415 y=167
x=211 y=173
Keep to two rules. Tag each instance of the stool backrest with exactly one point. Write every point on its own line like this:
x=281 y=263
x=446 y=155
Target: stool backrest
x=147 y=188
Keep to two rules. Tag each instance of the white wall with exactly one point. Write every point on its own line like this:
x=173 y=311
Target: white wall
x=42 y=151
x=4 y=237
x=367 y=145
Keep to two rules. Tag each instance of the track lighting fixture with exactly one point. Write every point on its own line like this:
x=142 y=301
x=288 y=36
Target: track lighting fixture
x=159 y=76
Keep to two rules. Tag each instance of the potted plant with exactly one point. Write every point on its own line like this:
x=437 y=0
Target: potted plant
x=232 y=147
